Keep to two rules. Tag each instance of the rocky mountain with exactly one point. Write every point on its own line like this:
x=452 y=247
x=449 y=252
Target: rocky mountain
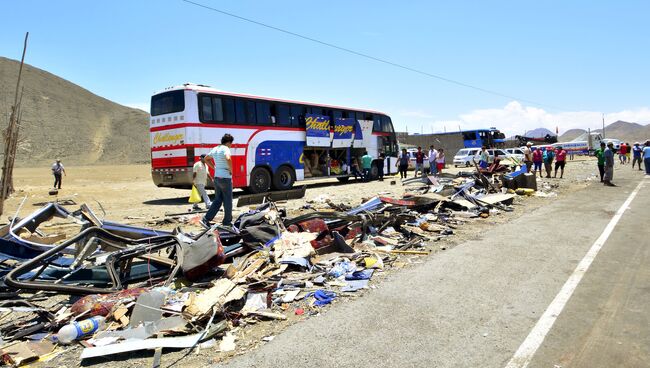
x=570 y=135
x=538 y=133
x=62 y=119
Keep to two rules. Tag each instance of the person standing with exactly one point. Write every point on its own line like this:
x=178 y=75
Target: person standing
x=57 y=171
x=419 y=162
x=549 y=156
x=355 y=168
x=538 y=159
x=646 y=157
x=609 y=165
x=560 y=161
x=629 y=150
x=402 y=163
x=380 y=166
x=433 y=160
x=219 y=159
x=528 y=157
x=440 y=161
x=600 y=155
x=199 y=179
x=483 y=158
x=637 y=151
x=366 y=165
x=622 y=151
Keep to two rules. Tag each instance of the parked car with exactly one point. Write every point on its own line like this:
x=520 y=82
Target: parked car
x=465 y=157
x=499 y=152
x=412 y=152
x=516 y=153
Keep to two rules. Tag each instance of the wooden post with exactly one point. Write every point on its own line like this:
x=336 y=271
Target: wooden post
x=11 y=138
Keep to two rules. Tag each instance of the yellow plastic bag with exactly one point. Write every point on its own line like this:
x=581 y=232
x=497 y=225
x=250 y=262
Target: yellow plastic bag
x=195 y=197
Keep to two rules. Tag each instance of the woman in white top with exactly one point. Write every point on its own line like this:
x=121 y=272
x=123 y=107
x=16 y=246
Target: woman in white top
x=440 y=160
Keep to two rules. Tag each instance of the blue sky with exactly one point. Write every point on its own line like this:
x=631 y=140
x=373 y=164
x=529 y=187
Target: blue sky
x=578 y=58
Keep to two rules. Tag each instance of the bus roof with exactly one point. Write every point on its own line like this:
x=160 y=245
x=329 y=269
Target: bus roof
x=208 y=89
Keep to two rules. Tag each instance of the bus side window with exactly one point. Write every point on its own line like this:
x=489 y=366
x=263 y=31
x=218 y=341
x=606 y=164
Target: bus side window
x=240 y=111
x=298 y=115
x=376 y=123
x=386 y=125
x=360 y=116
x=263 y=113
x=229 y=110
x=337 y=114
x=250 y=112
x=283 y=113
x=206 y=108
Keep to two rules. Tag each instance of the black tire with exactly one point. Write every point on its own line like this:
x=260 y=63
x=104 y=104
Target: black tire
x=283 y=178
x=343 y=179
x=467 y=164
x=260 y=180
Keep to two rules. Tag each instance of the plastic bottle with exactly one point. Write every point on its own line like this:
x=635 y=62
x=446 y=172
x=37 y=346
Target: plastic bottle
x=75 y=330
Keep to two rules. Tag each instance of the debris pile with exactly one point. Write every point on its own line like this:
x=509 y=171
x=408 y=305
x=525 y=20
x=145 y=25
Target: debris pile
x=115 y=288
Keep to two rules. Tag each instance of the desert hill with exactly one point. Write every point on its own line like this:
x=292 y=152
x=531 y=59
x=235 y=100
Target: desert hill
x=628 y=132
x=62 y=119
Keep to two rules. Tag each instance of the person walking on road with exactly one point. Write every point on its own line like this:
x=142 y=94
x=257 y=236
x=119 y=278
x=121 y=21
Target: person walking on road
x=646 y=157
x=538 y=159
x=440 y=161
x=355 y=169
x=609 y=165
x=549 y=156
x=419 y=162
x=433 y=159
x=622 y=152
x=528 y=157
x=57 y=171
x=199 y=179
x=637 y=152
x=402 y=163
x=600 y=155
x=219 y=159
x=366 y=165
x=560 y=161
x=629 y=151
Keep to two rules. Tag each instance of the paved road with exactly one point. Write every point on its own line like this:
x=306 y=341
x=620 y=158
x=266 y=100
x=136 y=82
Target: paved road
x=473 y=306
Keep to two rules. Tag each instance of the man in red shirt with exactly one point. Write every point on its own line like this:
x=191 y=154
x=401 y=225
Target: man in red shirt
x=622 y=153
x=560 y=161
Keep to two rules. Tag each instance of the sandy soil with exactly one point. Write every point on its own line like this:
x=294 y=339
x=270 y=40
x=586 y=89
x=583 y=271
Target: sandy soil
x=128 y=195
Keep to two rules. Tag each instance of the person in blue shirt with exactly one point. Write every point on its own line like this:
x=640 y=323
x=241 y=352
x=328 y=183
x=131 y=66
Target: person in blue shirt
x=636 y=152
x=609 y=165
x=220 y=161
x=646 y=157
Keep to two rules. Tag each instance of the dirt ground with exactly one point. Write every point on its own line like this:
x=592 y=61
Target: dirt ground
x=127 y=195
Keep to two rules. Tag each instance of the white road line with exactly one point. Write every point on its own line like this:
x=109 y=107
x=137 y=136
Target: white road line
x=525 y=353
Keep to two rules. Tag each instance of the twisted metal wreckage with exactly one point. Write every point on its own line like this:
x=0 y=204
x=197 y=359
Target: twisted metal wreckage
x=175 y=289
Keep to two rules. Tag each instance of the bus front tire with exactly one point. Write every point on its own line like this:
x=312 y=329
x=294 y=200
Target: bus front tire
x=283 y=178
x=260 y=180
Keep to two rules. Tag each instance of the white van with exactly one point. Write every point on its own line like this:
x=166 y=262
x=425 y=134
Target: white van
x=465 y=157
x=516 y=153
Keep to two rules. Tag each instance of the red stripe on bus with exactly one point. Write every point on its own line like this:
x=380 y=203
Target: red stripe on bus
x=228 y=126
x=201 y=145
x=381 y=134
x=159 y=163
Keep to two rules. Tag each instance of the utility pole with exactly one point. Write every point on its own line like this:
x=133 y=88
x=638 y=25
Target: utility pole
x=11 y=138
x=603 y=126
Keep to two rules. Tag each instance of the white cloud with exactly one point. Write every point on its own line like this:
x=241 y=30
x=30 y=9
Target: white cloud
x=138 y=105
x=515 y=118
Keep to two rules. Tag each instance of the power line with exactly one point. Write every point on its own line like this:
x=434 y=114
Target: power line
x=374 y=58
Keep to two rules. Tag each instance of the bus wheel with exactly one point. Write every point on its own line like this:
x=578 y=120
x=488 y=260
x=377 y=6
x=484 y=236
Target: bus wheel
x=260 y=180
x=283 y=178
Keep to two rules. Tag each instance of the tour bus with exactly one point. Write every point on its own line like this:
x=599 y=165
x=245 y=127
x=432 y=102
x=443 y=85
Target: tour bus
x=276 y=142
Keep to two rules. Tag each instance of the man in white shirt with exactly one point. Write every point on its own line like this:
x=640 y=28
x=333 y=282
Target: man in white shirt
x=220 y=160
x=433 y=155
x=199 y=179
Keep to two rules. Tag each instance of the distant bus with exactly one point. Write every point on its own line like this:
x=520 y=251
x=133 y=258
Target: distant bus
x=276 y=142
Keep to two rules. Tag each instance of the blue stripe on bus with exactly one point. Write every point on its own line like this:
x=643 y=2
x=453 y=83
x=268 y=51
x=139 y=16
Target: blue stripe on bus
x=277 y=153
